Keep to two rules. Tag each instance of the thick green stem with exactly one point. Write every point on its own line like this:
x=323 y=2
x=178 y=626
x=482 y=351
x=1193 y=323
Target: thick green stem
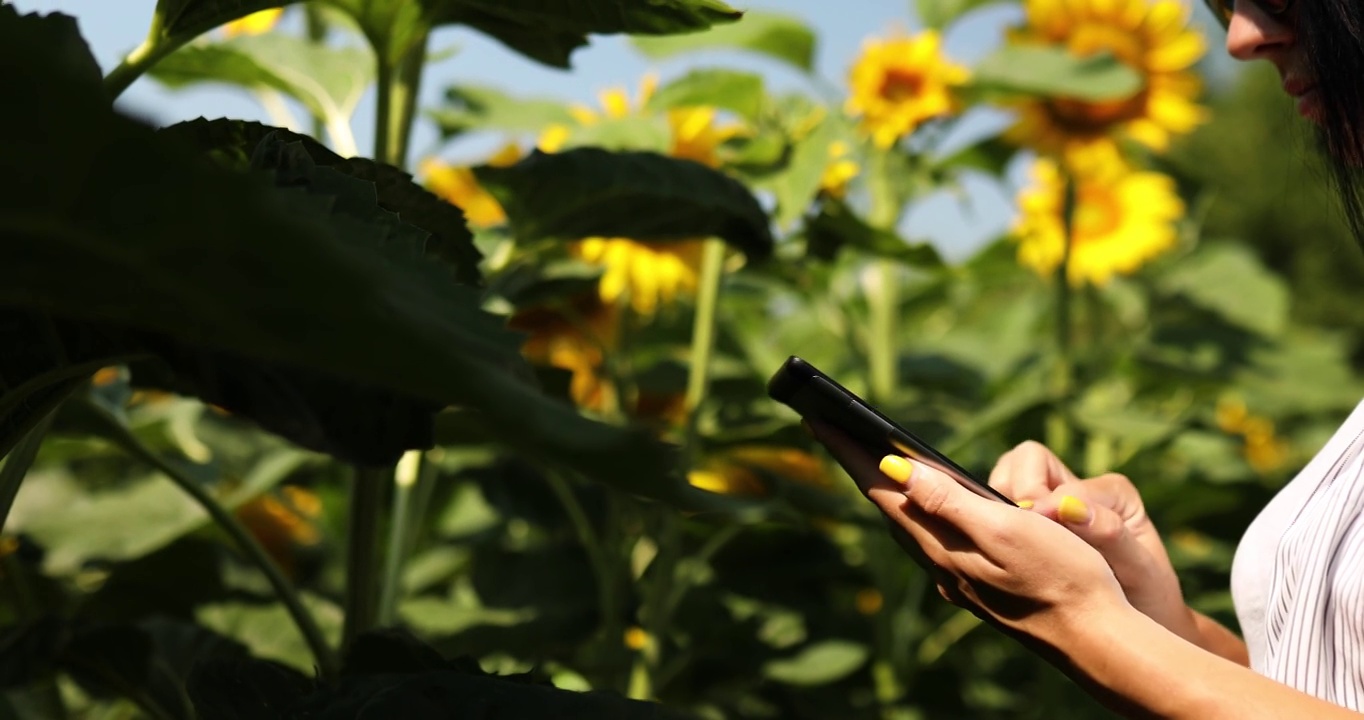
x=383 y=108
x=399 y=530
x=17 y=464
x=882 y=304
x=1058 y=428
x=315 y=26
x=142 y=58
x=703 y=338
x=399 y=84
x=421 y=497
x=883 y=296
x=326 y=658
x=405 y=96
x=362 y=551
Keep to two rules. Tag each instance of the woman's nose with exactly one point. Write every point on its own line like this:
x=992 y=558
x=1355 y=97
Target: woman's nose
x=1255 y=35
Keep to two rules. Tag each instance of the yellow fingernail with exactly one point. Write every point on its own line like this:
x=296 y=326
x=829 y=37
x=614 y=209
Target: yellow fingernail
x=1073 y=510
x=897 y=468
x=1025 y=504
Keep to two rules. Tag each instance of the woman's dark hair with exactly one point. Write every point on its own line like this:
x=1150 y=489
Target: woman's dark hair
x=1332 y=35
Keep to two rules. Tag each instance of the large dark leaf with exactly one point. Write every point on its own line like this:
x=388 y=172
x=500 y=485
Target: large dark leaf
x=779 y=36
x=225 y=688
x=180 y=20
x=450 y=239
x=44 y=359
x=547 y=31
x=837 y=226
x=110 y=225
x=591 y=192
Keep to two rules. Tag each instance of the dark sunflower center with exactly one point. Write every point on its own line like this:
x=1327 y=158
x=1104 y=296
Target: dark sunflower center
x=1081 y=118
x=901 y=85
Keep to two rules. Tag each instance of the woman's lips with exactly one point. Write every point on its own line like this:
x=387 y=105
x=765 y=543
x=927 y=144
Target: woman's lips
x=1309 y=102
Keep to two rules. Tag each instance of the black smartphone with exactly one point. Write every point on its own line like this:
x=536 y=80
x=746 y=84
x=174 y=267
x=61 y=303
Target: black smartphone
x=802 y=387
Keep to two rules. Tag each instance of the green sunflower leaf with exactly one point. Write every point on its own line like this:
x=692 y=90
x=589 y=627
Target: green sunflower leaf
x=779 y=36
x=1053 y=71
x=590 y=192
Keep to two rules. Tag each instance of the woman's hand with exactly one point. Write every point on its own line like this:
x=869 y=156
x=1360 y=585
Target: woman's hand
x=1012 y=567
x=1106 y=512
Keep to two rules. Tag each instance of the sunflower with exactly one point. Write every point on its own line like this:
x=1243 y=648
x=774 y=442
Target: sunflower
x=739 y=470
x=1263 y=449
x=648 y=275
x=1122 y=219
x=284 y=523
x=899 y=82
x=1150 y=36
x=257 y=23
x=839 y=172
x=615 y=103
x=458 y=186
x=574 y=337
x=697 y=136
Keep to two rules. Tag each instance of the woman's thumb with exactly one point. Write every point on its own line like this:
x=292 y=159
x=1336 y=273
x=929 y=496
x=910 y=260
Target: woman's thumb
x=1102 y=528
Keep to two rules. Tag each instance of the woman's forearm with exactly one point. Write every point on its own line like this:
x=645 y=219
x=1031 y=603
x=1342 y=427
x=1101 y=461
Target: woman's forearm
x=1142 y=670
x=1217 y=639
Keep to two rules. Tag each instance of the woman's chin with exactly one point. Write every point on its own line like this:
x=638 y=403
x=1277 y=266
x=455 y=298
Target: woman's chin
x=1309 y=105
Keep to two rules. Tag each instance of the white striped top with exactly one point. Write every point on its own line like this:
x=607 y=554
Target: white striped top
x=1298 y=576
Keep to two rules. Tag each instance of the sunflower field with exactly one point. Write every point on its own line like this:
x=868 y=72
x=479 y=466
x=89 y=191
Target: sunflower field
x=294 y=432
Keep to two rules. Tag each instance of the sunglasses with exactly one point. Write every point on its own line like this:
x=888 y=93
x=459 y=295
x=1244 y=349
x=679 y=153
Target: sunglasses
x=1223 y=9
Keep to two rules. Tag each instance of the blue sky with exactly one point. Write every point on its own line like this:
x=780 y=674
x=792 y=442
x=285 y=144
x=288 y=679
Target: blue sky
x=112 y=27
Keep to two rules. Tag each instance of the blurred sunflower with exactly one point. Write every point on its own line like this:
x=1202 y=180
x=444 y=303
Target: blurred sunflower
x=738 y=470
x=1123 y=218
x=869 y=601
x=697 y=136
x=900 y=82
x=458 y=186
x=575 y=338
x=615 y=103
x=1150 y=36
x=1263 y=449
x=257 y=23
x=285 y=523
x=840 y=171
x=648 y=275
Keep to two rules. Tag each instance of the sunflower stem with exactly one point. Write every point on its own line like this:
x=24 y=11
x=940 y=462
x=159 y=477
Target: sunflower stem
x=703 y=340
x=404 y=485
x=362 y=546
x=882 y=289
x=142 y=58
x=1059 y=433
x=398 y=84
x=315 y=27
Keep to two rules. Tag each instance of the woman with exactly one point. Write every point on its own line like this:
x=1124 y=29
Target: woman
x=1080 y=574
